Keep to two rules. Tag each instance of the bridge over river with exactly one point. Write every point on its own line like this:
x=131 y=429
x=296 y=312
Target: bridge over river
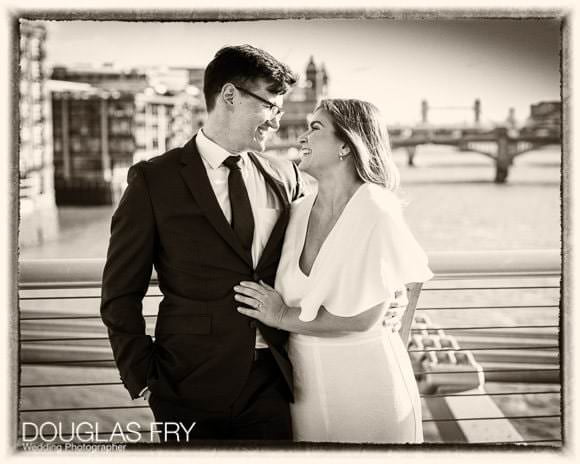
x=501 y=143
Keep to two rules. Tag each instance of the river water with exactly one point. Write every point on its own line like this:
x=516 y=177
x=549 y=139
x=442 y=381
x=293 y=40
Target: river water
x=451 y=204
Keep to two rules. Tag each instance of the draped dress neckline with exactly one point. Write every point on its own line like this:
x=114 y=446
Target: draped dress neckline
x=329 y=237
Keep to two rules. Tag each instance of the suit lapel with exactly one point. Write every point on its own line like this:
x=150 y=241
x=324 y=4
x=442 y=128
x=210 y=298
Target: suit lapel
x=195 y=176
x=279 y=228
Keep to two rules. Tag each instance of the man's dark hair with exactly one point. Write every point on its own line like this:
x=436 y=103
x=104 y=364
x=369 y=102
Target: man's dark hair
x=242 y=65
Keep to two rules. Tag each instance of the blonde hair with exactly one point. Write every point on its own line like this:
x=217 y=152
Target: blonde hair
x=361 y=126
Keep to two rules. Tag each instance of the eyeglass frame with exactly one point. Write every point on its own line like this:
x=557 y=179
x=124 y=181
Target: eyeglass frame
x=272 y=106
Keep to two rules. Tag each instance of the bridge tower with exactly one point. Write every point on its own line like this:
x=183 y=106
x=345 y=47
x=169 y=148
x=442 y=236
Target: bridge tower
x=477 y=110
x=511 y=120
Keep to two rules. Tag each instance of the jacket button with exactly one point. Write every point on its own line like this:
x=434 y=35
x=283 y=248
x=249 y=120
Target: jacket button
x=256 y=277
x=253 y=324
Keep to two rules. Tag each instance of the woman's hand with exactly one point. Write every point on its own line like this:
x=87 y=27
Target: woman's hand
x=269 y=308
x=394 y=315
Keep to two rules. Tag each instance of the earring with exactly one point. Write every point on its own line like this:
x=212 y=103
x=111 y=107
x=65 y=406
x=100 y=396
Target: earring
x=341 y=157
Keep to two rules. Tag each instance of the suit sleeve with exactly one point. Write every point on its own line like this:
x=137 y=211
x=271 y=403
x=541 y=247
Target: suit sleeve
x=126 y=279
x=289 y=174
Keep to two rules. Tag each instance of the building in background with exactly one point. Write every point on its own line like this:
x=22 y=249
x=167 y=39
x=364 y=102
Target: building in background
x=166 y=120
x=299 y=103
x=302 y=100
x=545 y=119
x=93 y=142
x=38 y=213
x=106 y=77
x=188 y=117
x=169 y=111
x=106 y=119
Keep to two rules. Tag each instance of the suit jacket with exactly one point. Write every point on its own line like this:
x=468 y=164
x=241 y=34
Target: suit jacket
x=169 y=218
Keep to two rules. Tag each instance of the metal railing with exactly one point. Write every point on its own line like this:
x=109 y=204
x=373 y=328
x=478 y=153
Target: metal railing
x=484 y=345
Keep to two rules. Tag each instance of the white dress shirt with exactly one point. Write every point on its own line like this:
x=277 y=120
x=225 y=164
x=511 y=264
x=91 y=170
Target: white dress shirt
x=265 y=204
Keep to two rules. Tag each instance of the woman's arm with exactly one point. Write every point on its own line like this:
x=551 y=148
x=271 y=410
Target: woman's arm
x=271 y=310
x=327 y=323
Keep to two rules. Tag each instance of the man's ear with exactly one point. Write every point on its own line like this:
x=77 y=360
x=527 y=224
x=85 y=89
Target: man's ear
x=228 y=93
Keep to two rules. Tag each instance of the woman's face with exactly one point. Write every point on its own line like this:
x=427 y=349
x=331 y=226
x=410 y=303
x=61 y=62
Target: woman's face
x=319 y=145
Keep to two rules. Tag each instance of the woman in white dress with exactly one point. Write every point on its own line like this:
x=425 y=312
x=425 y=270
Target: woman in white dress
x=346 y=252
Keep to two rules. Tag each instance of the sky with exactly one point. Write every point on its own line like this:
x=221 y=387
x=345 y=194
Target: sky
x=392 y=63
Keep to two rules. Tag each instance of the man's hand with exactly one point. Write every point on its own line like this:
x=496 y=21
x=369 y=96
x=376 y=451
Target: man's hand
x=397 y=307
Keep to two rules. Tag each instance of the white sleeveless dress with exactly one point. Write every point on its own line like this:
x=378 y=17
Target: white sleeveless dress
x=356 y=387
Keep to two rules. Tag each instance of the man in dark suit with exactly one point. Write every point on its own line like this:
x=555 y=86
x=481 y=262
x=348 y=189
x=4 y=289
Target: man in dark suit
x=207 y=216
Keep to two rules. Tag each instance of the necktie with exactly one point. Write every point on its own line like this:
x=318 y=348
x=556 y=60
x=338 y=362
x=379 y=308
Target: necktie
x=242 y=217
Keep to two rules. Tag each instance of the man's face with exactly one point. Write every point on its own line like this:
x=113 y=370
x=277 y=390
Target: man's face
x=253 y=120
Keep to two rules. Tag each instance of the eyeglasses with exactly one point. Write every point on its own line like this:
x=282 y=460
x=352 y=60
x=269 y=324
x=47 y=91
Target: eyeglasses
x=275 y=110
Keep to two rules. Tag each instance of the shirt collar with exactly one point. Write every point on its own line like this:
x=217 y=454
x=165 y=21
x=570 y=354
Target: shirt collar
x=212 y=153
